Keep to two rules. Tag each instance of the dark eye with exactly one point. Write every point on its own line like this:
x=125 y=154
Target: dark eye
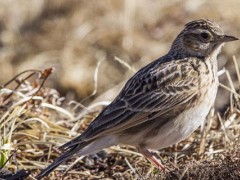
x=205 y=35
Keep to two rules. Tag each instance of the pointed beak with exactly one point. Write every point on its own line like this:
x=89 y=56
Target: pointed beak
x=226 y=38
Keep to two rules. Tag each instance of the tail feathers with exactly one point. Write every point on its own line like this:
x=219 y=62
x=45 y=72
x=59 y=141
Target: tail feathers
x=84 y=148
x=67 y=155
x=74 y=143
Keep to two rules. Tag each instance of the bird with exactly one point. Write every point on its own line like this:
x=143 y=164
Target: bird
x=162 y=103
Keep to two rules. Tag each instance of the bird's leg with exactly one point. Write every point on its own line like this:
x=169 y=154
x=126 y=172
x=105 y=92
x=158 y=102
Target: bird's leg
x=153 y=160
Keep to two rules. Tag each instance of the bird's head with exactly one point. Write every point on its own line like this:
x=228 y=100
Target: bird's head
x=201 y=38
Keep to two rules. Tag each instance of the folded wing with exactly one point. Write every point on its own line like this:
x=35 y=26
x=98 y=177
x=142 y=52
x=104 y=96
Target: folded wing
x=152 y=91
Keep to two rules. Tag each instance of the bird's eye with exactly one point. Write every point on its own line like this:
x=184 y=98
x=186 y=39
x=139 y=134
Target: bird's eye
x=205 y=35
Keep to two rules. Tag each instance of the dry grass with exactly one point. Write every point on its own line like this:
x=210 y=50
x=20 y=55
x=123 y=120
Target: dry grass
x=34 y=121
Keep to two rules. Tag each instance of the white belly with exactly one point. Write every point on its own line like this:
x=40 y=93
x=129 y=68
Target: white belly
x=184 y=124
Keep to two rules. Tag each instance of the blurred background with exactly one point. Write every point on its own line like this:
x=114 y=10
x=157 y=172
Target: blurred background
x=73 y=36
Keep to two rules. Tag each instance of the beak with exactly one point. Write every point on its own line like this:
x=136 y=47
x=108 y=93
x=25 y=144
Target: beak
x=226 y=38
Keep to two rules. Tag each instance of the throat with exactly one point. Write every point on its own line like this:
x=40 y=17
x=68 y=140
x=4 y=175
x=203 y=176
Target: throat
x=216 y=51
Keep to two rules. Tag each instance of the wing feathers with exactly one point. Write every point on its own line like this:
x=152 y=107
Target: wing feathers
x=154 y=91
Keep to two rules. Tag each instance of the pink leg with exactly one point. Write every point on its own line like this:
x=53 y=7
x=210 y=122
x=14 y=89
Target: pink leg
x=153 y=160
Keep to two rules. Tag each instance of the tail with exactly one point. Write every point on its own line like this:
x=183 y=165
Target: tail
x=67 y=155
x=81 y=149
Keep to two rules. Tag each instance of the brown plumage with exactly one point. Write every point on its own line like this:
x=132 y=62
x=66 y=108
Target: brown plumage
x=163 y=102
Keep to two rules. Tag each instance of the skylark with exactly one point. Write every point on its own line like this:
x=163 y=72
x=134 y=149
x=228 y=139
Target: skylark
x=163 y=103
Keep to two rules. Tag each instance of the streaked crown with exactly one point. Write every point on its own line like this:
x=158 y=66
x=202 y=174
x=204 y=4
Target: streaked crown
x=200 y=38
x=204 y=24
